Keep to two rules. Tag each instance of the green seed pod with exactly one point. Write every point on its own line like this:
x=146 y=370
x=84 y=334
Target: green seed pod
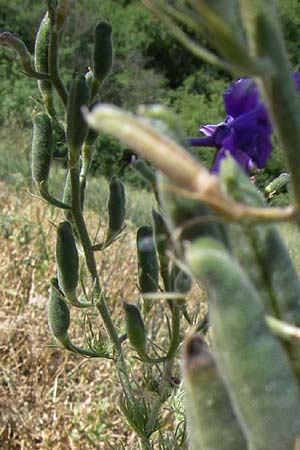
x=103 y=51
x=165 y=121
x=116 y=206
x=255 y=368
x=77 y=127
x=277 y=185
x=192 y=217
x=183 y=282
x=147 y=260
x=41 y=51
x=67 y=197
x=146 y=172
x=41 y=150
x=212 y=423
x=261 y=251
x=67 y=260
x=162 y=239
x=58 y=312
x=135 y=326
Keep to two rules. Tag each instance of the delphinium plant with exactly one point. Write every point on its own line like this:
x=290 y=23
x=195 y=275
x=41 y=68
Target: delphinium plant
x=241 y=385
x=76 y=282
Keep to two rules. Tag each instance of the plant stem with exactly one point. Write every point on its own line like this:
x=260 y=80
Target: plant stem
x=175 y=338
x=92 y=268
x=144 y=443
x=53 y=67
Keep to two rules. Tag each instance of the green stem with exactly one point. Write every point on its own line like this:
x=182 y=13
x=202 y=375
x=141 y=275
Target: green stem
x=165 y=381
x=144 y=443
x=163 y=388
x=175 y=338
x=92 y=268
x=53 y=67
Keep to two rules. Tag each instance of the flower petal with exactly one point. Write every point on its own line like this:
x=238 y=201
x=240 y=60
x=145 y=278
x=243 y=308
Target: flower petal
x=242 y=96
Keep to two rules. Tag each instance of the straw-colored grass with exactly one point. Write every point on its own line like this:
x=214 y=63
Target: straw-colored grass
x=50 y=399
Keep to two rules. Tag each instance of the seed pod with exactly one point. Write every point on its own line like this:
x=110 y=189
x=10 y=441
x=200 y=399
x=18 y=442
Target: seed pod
x=255 y=368
x=277 y=185
x=147 y=172
x=212 y=423
x=147 y=260
x=103 y=51
x=77 y=128
x=135 y=326
x=67 y=197
x=192 y=217
x=58 y=312
x=183 y=282
x=41 y=151
x=67 y=260
x=162 y=238
x=261 y=250
x=41 y=51
x=165 y=121
x=116 y=206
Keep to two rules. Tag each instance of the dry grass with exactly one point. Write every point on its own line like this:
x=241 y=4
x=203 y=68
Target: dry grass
x=50 y=399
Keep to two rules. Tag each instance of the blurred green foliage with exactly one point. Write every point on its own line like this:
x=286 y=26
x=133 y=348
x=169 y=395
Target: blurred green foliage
x=149 y=67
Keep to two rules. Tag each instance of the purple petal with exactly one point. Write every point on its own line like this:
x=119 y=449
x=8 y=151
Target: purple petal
x=208 y=141
x=210 y=129
x=296 y=78
x=242 y=96
x=217 y=161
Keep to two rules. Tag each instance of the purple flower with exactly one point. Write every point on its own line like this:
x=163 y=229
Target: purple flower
x=246 y=132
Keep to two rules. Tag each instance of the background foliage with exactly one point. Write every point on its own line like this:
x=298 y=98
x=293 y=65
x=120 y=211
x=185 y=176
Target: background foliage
x=149 y=67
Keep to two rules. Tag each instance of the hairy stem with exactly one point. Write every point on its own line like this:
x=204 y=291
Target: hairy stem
x=53 y=67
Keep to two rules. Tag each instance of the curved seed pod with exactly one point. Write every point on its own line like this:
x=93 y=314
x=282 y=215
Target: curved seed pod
x=116 y=207
x=41 y=150
x=77 y=128
x=67 y=197
x=67 y=261
x=278 y=184
x=103 y=51
x=135 y=326
x=146 y=172
x=41 y=51
x=212 y=423
x=183 y=282
x=251 y=360
x=165 y=121
x=162 y=238
x=59 y=321
x=191 y=217
x=58 y=313
x=267 y=261
x=147 y=264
